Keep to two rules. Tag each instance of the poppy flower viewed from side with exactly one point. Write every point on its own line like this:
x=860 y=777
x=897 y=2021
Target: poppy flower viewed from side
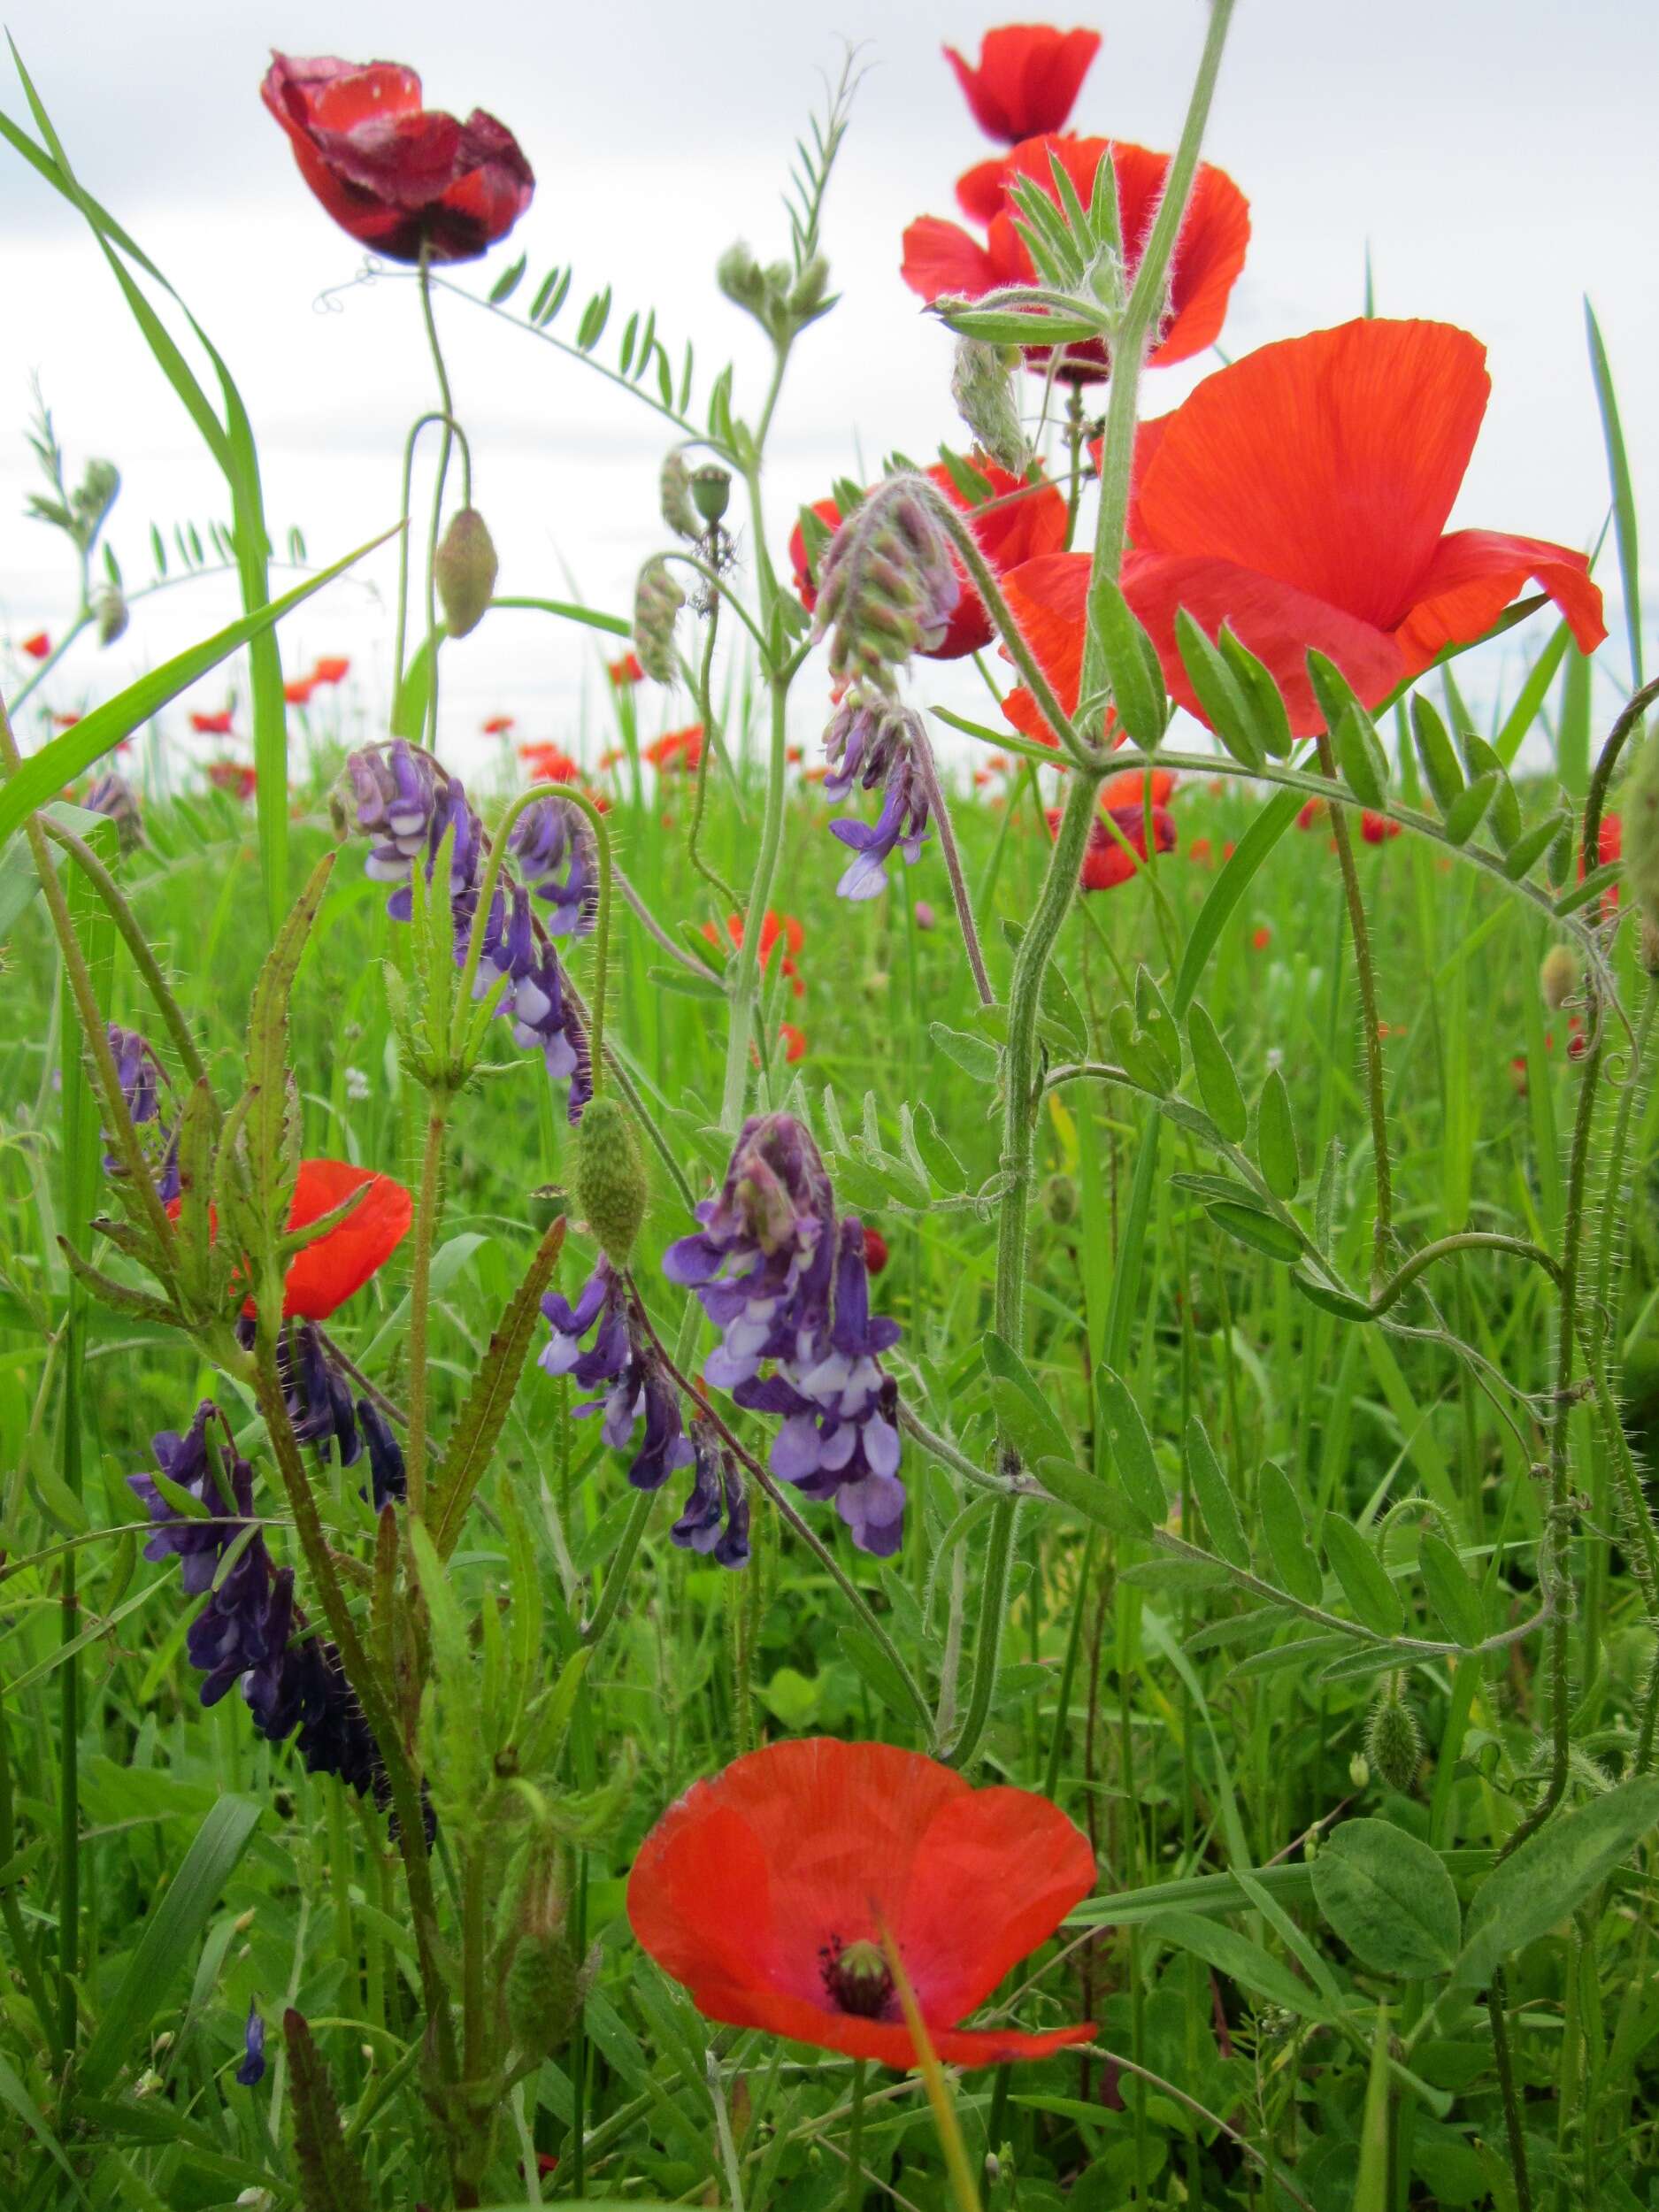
x=625 y=670
x=676 y=749
x=211 y=725
x=549 y=763
x=764 y=1891
x=941 y=259
x=794 y=1043
x=333 y=1269
x=1014 y=524
x=1105 y=862
x=498 y=725
x=298 y=689
x=333 y=669
x=1028 y=78
x=235 y=776
x=1377 y=829
x=37 y=646
x=396 y=176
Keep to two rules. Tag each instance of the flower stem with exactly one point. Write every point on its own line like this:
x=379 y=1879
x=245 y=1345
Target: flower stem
x=1382 y=1228
x=428 y=1207
x=963 y=905
x=856 y=2140
x=420 y=423
x=437 y=499
x=744 y=987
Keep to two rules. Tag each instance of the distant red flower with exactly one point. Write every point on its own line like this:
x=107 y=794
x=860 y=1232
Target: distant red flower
x=211 y=725
x=1518 y=1074
x=298 y=689
x=1027 y=80
x=1261 y=939
x=616 y=754
x=771 y=928
x=498 y=725
x=68 y=721
x=38 y=647
x=1200 y=852
x=1609 y=846
x=1377 y=829
x=1007 y=530
x=765 y=1889
x=399 y=178
x=794 y=1043
x=626 y=671
x=941 y=257
x=549 y=763
x=333 y=669
x=1105 y=862
x=678 y=748
x=1311 y=813
x=794 y=756
x=235 y=776
x=875 y=1250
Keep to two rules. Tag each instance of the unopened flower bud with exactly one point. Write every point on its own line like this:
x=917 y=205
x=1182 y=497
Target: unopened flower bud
x=675 y=491
x=1558 y=977
x=545 y=1988
x=806 y=295
x=1639 y=810
x=888 y=587
x=657 y=600
x=464 y=569
x=925 y=918
x=1394 y=1744
x=1647 y=946
x=610 y=1183
x=982 y=385
x=739 y=276
x=1359 y=1770
x=1059 y=1198
x=711 y=491
x=111 y=609
x=99 y=487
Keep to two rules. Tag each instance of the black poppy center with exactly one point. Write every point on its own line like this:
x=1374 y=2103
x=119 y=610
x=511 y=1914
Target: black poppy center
x=857 y=1978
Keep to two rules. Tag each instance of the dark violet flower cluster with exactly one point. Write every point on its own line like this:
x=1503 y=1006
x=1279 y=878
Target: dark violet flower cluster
x=623 y=1357
x=145 y=1087
x=870 y=742
x=786 y=1283
x=887 y=586
x=558 y=854
x=408 y=805
x=322 y=1410
x=251 y=1632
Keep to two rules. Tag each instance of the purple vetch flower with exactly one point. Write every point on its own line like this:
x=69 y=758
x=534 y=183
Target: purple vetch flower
x=192 y=1463
x=252 y=2066
x=872 y=741
x=112 y=795
x=144 y=1085
x=324 y=1411
x=716 y=1518
x=787 y=1284
x=888 y=587
x=558 y=854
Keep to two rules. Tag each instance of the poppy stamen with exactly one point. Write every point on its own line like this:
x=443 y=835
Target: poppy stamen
x=857 y=1978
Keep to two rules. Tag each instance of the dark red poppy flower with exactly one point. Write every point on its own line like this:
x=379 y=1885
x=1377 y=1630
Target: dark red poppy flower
x=626 y=671
x=1105 y=862
x=333 y=669
x=37 y=646
x=677 y=748
x=875 y=1253
x=498 y=725
x=549 y=763
x=764 y=1891
x=794 y=1043
x=1013 y=524
x=941 y=257
x=235 y=776
x=211 y=725
x=1028 y=78
x=1377 y=829
x=399 y=178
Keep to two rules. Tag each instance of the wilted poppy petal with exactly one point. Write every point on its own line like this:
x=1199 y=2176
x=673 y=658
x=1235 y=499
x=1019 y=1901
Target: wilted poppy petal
x=1330 y=462
x=327 y=1273
x=940 y=257
x=1472 y=578
x=1276 y=621
x=1028 y=77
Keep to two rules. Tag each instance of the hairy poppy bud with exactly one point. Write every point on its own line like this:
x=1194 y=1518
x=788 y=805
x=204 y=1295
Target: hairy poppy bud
x=1059 y=1198
x=657 y=600
x=1640 y=808
x=982 y=385
x=110 y=607
x=674 y=493
x=610 y=1179
x=545 y=1988
x=1394 y=1744
x=464 y=569
x=1558 y=977
x=1647 y=946
x=711 y=491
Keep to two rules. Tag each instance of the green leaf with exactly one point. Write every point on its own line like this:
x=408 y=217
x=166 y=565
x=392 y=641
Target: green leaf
x=873 y=1666
x=1506 y=808
x=1024 y=1413
x=1287 y=1536
x=1125 y=1434
x=1262 y=694
x=1360 y=757
x=1365 y=1584
x=1239 y=1960
x=1440 y=767
x=1451 y=1590
x=1216 y=1500
x=330 y=2178
x=1551 y=1875
x=1217 y=1082
x=1589 y=890
x=1464 y=817
x=1276 y=1146
x=1390 y=1898
x=1623 y=496
x=977 y=1060
x=1218 y=693
x=1093 y=1499
x=1531 y=846
x=1132 y=668
x=1228 y=890
x=1342 y=1303
x=1263 y=1232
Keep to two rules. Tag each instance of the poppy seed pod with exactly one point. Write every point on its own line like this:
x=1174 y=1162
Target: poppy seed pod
x=1558 y=977
x=657 y=600
x=465 y=568
x=1394 y=1744
x=1640 y=808
x=609 y=1182
x=110 y=607
x=711 y=491
x=674 y=497
x=982 y=387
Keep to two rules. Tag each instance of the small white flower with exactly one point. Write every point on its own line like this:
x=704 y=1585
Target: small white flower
x=356 y=1085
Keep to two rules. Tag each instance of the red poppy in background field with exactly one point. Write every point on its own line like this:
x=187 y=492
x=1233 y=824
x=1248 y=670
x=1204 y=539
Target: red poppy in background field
x=298 y=689
x=1377 y=829
x=498 y=725
x=677 y=748
x=1311 y=813
x=235 y=776
x=765 y=1890
x=771 y=928
x=37 y=646
x=1028 y=78
x=625 y=670
x=333 y=669
x=549 y=763
x=1609 y=846
x=399 y=178
x=1129 y=788
x=68 y=721
x=941 y=257
x=211 y=725
x=1261 y=938
x=793 y=1041
x=1008 y=530
x=1105 y=862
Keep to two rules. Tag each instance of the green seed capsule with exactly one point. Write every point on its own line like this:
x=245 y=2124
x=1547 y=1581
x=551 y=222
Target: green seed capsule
x=464 y=569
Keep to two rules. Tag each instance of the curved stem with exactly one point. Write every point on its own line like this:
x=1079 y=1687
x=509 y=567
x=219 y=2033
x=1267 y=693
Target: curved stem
x=420 y=423
x=959 y=898
x=1630 y=720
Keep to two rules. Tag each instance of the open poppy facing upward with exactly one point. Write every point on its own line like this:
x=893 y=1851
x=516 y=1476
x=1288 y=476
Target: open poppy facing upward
x=765 y=1891
x=399 y=178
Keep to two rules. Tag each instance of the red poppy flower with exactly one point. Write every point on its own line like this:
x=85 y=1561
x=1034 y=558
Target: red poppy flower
x=875 y=1251
x=794 y=1043
x=1609 y=846
x=549 y=763
x=1008 y=530
x=941 y=257
x=211 y=725
x=329 y=1272
x=1377 y=829
x=1200 y=852
x=68 y=721
x=772 y=928
x=37 y=646
x=678 y=748
x=1129 y=788
x=1027 y=80
x=626 y=671
x=1302 y=496
x=765 y=1889
x=498 y=725
x=332 y=670
x=235 y=776
x=397 y=177
x=298 y=689
x=1105 y=862
x=1311 y=813
x=1261 y=939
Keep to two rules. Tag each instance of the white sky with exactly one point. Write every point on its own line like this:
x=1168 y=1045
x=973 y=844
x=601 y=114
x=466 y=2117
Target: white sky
x=1496 y=154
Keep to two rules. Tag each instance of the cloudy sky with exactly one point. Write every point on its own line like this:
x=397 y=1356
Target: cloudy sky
x=1496 y=155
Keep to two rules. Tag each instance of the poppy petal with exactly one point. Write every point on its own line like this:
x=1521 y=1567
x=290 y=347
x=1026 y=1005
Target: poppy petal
x=1472 y=578
x=940 y=257
x=1208 y=254
x=979 y=190
x=327 y=1273
x=1276 y=622
x=1028 y=77
x=886 y=2042
x=1329 y=462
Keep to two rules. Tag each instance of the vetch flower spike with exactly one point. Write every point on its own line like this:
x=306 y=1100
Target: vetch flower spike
x=888 y=588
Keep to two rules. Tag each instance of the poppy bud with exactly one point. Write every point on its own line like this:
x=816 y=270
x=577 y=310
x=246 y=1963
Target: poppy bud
x=610 y=1180
x=982 y=387
x=464 y=570
x=110 y=607
x=1647 y=946
x=925 y=918
x=1558 y=977
x=711 y=491
x=1059 y=1198
x=1394 y=1744
x=657 y=600
x=1640 y=808
x=875 y=1251
x=545 y=1989
x=674 y=493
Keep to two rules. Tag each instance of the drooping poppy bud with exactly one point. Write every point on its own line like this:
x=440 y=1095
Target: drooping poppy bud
x=1558 y=977
x=464 y=569
x=610 y=1183
x=1394 y=1744
x=674 y=497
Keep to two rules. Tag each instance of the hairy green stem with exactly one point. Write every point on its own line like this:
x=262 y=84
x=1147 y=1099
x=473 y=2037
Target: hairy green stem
x=940 y=812
x=428 y=1209
x=401 y=632
x=744 y=986
x=439 y=481
x=1376 y=1079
